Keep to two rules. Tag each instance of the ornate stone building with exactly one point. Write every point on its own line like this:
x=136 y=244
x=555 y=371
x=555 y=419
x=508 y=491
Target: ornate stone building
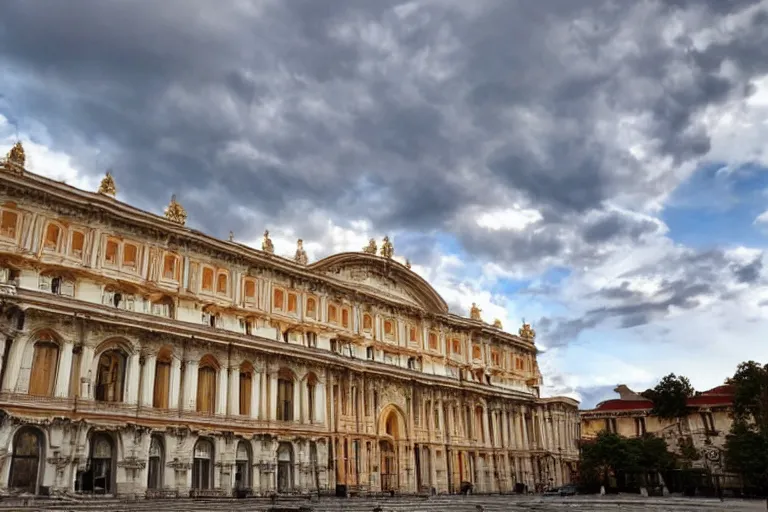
x=139 y=355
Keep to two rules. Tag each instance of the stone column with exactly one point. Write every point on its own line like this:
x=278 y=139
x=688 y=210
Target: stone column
x=148 y=380
x=272 y=397
x=131 y=392
x=189 y=393
x=255 y=395
x=524 y=429
x=233 y=402
x=173 y=385
x=432 y=469
x=320 y=403
x=14 y=363
x=264 y=400
x=64 y=370
x=486 y=431
x=221 y=392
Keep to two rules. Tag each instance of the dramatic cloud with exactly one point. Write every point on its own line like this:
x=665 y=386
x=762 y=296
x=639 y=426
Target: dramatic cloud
x=500 y=142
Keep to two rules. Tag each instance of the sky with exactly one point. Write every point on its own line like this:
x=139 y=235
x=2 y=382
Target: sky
x=595 y=167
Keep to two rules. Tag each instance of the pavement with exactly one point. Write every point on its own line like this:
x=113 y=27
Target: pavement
x=476 y=503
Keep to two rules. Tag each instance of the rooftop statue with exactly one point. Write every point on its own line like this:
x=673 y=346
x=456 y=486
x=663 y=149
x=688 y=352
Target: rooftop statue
x=387 y=249
x=15 y=159
x=174 y=212
x=301 y=255
x=266 y=244
x=371 y=247
x=107 y=185
x=497 y=324
x=526 y=332
x=474 y=312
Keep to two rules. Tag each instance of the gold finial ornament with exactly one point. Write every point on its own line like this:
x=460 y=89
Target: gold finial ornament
x=371 y=247
x=474 y=312
x=301 y=255
x=387 y=249
x=526 y=332
x=174 y=212
x=497 y=324
x=15 y=159
x=266 y=244
x=107 y=186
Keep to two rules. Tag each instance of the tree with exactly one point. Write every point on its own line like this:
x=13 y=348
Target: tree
x=670 y=397
x=750 y=402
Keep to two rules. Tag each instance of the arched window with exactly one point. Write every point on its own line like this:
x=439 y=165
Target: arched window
x=206 y=385
x=285 y=396
x=52 y=240
x=243 y=465
x=433 y=341
x=278 y=298
x=130 y=256
x=110 y=252
x=476 y=354
x=389 y=328
x=26 y=459
x=246 y=385
x=77 y=245
x=161 y=393
x=202 y=465
x=221 y=283
x=333 y=314
x=367 y=322
x=156 y=463
x=250 y=290
x=171 y=267
x=43 y=373
x=110 y=376
x=292 y=303
x=9 y=221
x=345 y=318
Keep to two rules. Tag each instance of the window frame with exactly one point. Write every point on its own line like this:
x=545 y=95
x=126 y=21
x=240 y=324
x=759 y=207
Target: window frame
x=71 y=243
x=16 y=230
x=61 y=236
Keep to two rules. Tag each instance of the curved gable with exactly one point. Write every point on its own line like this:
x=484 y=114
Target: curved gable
x=382 y=275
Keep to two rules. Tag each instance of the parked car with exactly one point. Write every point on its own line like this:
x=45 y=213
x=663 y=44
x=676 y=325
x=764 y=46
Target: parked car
x=566 y=490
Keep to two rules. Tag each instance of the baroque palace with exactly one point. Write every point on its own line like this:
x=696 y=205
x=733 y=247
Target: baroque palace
x=142 y=356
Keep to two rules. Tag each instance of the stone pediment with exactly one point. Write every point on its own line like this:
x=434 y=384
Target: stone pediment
x=382 y=276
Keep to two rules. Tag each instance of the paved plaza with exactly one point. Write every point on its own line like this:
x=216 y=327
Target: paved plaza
x=627 y=503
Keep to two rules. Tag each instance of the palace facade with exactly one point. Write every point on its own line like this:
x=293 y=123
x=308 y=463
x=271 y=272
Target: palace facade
x=139 y=356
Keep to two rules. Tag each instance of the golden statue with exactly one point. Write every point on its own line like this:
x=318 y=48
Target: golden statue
x=497 y=324
x=408 y=264
x=371 y=247
x=15 y=159
x=526 y=332
x=107 y=185
x=301 y=255
x=387 y=249
x=174 y=212
x=474 y=312
x=266 y=244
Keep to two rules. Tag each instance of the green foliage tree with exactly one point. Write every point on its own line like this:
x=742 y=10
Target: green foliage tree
x=670 y=397
x=746 y=446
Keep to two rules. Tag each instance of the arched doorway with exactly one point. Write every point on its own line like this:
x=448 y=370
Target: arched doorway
x=391 y=431
x=110 y=376
x=284 y=467
x=102 y=460
x=202 y=465
x=25 y=461
x=243 y=466
x=156 y=464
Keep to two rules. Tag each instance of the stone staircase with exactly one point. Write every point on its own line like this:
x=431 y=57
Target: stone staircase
x=476 y=503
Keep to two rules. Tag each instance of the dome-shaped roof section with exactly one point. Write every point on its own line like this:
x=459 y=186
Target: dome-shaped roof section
x=384 y=276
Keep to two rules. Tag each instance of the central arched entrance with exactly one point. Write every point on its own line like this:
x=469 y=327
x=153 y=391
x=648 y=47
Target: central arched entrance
x=391 y=434
x=25 y=460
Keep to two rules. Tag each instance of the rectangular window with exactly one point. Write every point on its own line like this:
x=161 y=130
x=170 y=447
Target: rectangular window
x=292 y=303
x=277 y=299
x=170 y=266
x=640 y=427
x=311 y=310
x=433 y=341
x=8 y=224
x=412 y=335
x=221 y=283
x=333 y=315
x=389 y=328
x=52 y=237
x=345 y=318
x=110 y=254
x=369 y=353
x=250 y=290
x=207 y=279
x=130 y=254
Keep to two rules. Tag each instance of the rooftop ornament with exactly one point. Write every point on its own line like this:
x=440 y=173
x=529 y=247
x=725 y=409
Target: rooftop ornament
x=176 y=213
x=301 y=255
x=526 y=332
x=497 y=324
x=408 y=264
x=266 y=244
x=15 y=159
x=107 y=186
x=371 y=248
x=387 y=249
x=474 y=312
